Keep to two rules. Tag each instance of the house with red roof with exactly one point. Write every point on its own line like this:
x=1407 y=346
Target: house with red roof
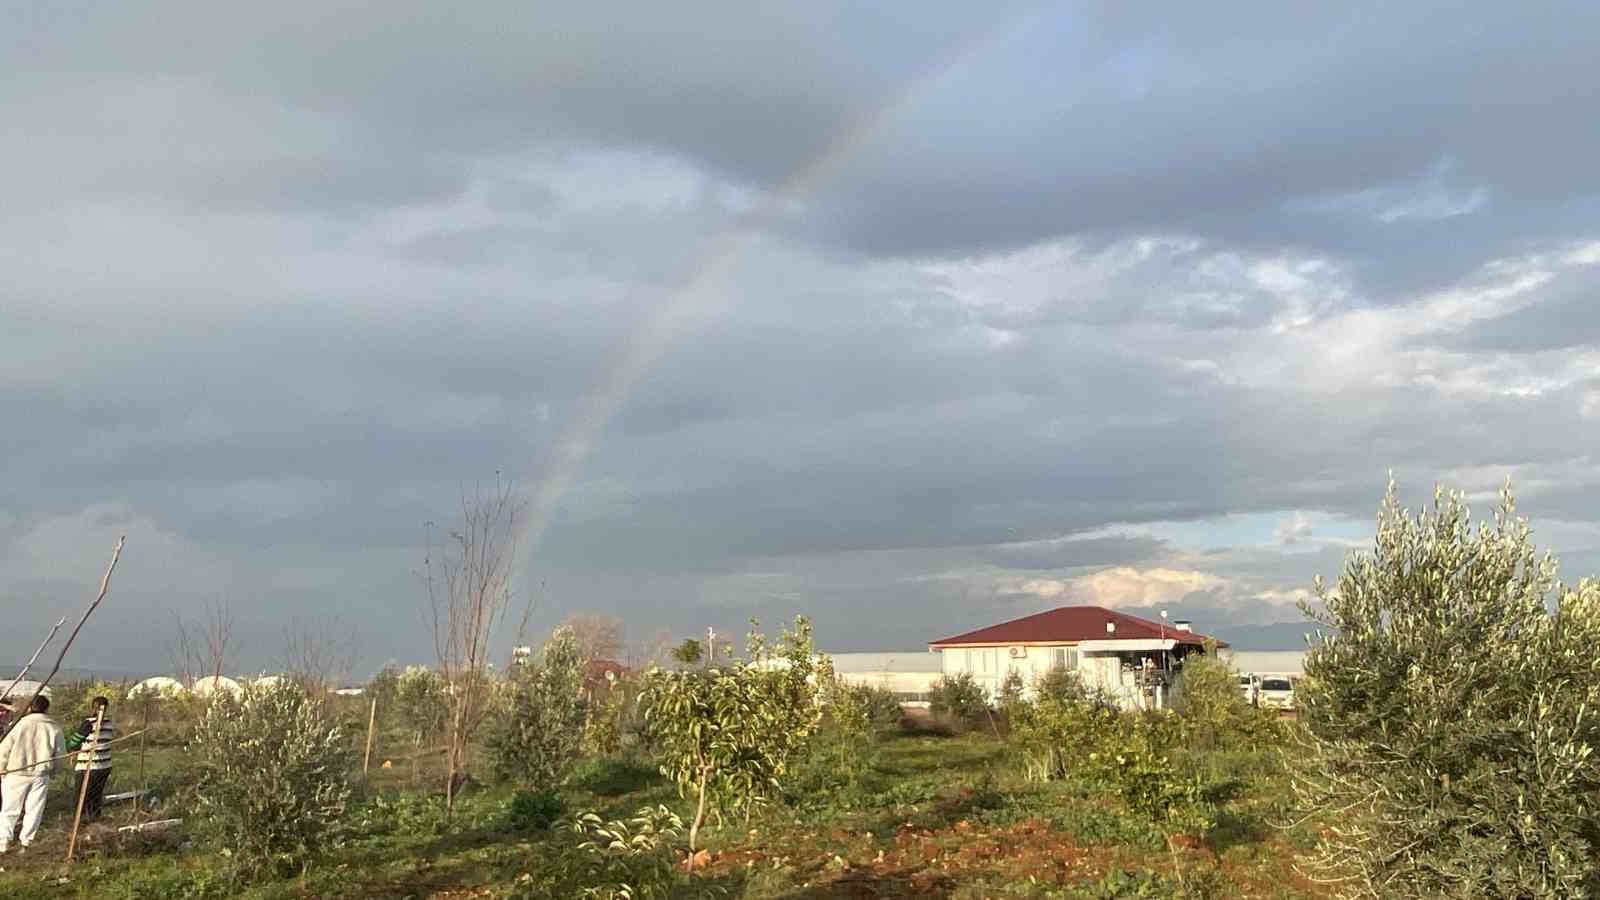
x=1132 y=660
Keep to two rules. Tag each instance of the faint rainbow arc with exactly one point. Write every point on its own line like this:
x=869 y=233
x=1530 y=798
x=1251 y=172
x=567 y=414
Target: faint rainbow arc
x=657 y=332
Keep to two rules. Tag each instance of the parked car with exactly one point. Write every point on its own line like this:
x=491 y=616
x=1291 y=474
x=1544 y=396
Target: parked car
x=1277 y=692
x=1250 y=687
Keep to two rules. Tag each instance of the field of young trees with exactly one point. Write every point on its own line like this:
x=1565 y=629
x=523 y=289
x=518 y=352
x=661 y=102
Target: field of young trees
x=1415 y=769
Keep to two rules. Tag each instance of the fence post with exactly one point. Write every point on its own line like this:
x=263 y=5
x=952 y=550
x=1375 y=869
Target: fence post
x=138 y=800
x=372 y=718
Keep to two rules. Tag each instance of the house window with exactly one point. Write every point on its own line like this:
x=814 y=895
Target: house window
x=981 y=662
x=1064 y=657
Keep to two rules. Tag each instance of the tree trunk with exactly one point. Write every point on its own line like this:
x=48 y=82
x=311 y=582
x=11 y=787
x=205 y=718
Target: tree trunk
x=699 y=813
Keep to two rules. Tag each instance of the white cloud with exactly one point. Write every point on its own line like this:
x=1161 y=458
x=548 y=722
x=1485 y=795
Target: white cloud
x=1284 y=597
x=1127 y=586
x=1293 y=530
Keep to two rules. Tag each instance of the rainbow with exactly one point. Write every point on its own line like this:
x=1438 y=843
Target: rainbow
x=657 y=331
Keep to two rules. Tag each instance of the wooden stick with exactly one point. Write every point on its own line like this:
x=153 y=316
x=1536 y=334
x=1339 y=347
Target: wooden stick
x=68 y=754
x=159 y=823
x=35 y=657
x=372 y=718
x=138 y=808
x=83 y=787
x=105 y=582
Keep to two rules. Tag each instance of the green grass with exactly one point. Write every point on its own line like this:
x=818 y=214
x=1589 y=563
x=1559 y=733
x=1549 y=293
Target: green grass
x=934 y=817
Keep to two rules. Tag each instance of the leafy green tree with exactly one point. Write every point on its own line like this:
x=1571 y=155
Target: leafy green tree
x=689 y=652
x=535 y=735
x=271 y=778
x=960 y=697
x=1061 y=683
x=1058 y=736
x=420 y=702
x=1213 y=715
x=1011 y=689
x=1082 y=738
x=727 y=733
x=1451 y=714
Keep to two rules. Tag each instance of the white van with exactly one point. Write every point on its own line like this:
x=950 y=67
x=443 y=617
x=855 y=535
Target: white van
x=1277 y=692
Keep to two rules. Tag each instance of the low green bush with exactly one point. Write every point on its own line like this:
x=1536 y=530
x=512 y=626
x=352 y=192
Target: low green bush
x=627 y=859
x=533 y=810
x=959 y=697
x=1067 y=737
x=271 y=779
x=534 y=737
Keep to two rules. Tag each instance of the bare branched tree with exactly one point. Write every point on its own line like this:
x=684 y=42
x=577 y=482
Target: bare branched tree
x=201 y=650
x=650 y=651
x=598 y=636
x=468 y=580
x=319 y=657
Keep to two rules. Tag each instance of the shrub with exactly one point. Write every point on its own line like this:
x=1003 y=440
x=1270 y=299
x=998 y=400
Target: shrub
x=843 y=748
x=271 y=781
x=1211 y=713
x=1059 y=733
x=615 y=723
x=1149 y=783
x=1082 y=739
x=534 y=738
x=728 y=734
x=960 y=697
x=629 y=860
x=421 y=704
x=70 y=701
x=533 y=810
x=1061 y=683
x=1011 y=689
x=1450 y=716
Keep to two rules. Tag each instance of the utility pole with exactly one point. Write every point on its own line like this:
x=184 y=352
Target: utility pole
x=711 y=644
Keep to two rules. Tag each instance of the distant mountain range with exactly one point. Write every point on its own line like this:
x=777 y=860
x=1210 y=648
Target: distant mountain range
x=68 y=674
x=1277 y=636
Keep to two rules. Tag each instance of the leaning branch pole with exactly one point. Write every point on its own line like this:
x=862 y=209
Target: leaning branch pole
x=105 y=583
x=34 y=658
x=84 y=777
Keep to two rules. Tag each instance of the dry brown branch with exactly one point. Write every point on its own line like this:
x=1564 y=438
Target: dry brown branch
x=204 y=651
x=105 y=584
x=598 y=636
x=318 y=657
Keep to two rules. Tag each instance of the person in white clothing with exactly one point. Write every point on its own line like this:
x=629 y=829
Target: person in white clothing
x=27 y=757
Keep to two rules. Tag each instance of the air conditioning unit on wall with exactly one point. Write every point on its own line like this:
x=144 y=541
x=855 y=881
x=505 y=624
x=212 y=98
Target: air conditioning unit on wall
x=1017 y=652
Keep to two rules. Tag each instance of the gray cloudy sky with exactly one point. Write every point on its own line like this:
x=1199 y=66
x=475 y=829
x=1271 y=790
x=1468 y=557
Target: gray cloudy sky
x=911 y=317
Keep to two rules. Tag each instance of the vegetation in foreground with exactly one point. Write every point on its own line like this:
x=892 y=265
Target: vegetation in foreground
x=934 y=815
x=1445 y=748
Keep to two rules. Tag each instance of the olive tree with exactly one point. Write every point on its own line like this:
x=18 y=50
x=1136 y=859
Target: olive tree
x=727 y=733
x=535 y=736
x=271 y=776
x=1450 y=712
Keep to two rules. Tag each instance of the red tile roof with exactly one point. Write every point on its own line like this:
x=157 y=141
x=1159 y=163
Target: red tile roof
x=1070 y=624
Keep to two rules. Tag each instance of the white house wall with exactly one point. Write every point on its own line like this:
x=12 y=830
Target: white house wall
x=1102 y=670
x=897 y=682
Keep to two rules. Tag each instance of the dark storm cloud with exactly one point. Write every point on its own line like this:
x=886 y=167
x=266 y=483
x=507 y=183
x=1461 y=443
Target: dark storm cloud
x=954 y=300
x=1073 y=552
